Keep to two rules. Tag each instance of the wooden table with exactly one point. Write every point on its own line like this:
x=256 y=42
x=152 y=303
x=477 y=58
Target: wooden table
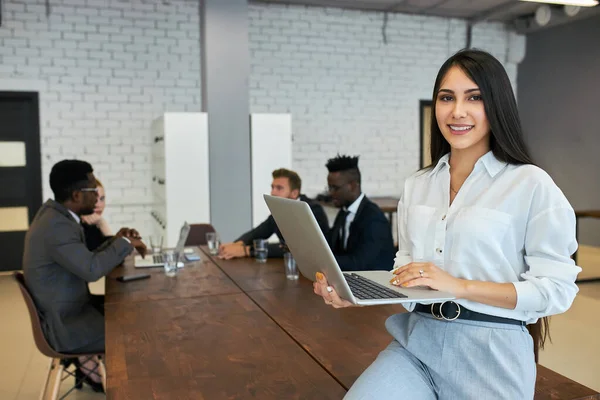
x=198 y=336
x=203 y=278
x=584 y=214
x=238 y=329
x=345 y=342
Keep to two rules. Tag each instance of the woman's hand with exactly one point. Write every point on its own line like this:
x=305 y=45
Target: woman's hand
x=328 y=293
x=428 y=274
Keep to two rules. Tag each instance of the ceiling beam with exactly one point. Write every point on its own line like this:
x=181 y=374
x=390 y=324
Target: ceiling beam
x=436 y=5
x=395 y=6
x=323 y=4
x=495 y=11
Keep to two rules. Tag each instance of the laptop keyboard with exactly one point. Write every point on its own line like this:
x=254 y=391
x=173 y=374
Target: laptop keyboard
x=157 y=259
x=366 y=289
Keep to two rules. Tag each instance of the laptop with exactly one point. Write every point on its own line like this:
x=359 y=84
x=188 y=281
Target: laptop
x=311 y=251
x=156 y=260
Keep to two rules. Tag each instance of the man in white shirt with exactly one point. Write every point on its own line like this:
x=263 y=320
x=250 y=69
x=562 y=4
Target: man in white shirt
x=360 y=238
x=286 y=184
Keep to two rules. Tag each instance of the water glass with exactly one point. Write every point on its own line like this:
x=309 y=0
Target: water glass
x=170 y=258
x=156 y=243
x=261 y=251
x=291 y=270
x=213 y=242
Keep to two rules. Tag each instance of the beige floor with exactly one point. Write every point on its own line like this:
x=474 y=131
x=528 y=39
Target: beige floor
x=574 y=351
x=23 y=368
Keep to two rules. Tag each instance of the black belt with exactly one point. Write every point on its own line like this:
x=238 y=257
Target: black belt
x=449 y=311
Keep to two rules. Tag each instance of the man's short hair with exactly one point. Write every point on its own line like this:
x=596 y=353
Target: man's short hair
x=293 y=178
x=346 y=164
x=67 y=176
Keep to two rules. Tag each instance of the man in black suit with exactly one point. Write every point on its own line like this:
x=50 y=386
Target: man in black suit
x=286 y=184
x=360 y=237
x=58 y=265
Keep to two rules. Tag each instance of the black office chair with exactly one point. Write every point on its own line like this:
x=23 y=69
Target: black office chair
x=197 y=235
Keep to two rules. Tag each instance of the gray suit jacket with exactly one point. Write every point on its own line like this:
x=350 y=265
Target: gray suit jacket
x=57 y=266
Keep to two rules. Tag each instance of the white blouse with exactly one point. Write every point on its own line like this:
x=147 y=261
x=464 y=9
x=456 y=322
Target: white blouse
x=508 y=223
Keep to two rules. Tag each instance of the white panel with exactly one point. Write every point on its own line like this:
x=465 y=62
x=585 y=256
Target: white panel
x=13 y=219
x=271 y=139
x=186 y=189
x=12 y=154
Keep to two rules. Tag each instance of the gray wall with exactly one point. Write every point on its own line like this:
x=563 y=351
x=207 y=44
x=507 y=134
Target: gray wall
x=559 y=102
x=225 y=73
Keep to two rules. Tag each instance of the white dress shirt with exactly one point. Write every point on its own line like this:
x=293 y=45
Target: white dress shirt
x=77 y=219
x=352 y=210
x=508 y=223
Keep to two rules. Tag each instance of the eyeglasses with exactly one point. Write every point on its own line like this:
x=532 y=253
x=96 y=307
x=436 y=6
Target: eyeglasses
x=333 y=188
x=95 y=190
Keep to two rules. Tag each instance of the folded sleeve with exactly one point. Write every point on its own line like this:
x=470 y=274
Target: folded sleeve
x=548 y=286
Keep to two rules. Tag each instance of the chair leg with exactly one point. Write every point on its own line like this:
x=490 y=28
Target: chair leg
x=53 y=380
x=102 y=371
x=57 y=379
x=48 y=372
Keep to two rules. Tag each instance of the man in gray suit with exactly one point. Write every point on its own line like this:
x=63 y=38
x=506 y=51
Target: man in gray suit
x=58 y=266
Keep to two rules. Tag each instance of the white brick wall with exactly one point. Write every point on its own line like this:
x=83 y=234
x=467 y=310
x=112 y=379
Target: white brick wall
x=108 y=68
x=349 y=92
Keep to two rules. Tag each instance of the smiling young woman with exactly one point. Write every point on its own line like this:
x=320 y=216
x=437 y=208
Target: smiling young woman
x=485 y=224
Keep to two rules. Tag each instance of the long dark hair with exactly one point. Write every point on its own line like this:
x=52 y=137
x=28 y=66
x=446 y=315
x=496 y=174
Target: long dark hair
x=506 y=134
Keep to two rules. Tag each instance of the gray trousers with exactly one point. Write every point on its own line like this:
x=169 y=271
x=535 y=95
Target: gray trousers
x=98 y=345
x=434 y=359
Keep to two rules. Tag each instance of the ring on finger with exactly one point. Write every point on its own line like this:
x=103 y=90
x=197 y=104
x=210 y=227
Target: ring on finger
x=329 y=289
x=421 y=273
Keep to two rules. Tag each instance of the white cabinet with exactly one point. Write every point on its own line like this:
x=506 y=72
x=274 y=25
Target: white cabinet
x=180 y=174
x=180 y=167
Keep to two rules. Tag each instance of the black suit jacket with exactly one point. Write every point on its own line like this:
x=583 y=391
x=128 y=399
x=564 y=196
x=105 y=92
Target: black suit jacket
x=269 y=227
x=370 y=243
x=94 y=237
x=58 y=266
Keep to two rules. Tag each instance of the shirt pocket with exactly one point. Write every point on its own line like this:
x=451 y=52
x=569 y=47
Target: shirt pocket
x=478 y=236
x=418 y=223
